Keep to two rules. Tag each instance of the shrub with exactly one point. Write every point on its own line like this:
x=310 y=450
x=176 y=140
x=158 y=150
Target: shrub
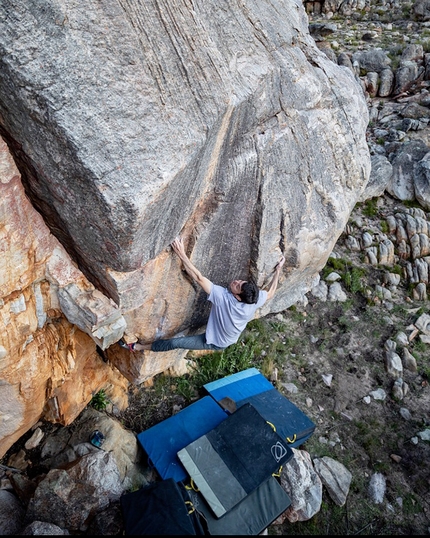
x=99 y=401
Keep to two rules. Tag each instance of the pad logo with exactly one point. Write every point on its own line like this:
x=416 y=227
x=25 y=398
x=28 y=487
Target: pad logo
x=278 y=451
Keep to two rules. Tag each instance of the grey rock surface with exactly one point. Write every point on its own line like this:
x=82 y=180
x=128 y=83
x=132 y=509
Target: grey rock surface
x=11 y=513
x=303 y=485
x=377 y=488
x=380 y=176
x=335 y=477
x=56 y=498
x=226 y=121
x=372 y=60
x=403 y=161
x=42 y=528
x=422 y=181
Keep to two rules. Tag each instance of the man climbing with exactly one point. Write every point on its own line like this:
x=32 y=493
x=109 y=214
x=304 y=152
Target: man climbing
x=232 y=308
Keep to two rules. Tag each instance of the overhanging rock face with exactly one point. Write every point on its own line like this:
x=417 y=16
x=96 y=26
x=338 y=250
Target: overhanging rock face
x=133 y=122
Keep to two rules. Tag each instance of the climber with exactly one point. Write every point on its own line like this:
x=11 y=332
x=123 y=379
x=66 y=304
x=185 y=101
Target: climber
x=231 y=310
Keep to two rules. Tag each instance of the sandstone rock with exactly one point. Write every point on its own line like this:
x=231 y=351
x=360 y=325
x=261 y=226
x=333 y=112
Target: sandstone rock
x=372 y=60
x=49 y=367
x=380 y=176
x=404 y=76
x=336 y=293
x=422 y=181
x=402 y=184
x=393 y=364
x=386 y=83
x=34 y=439
x=412 y=52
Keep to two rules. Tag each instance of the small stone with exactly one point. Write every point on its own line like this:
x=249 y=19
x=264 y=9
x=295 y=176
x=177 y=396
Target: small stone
x=35 y=439
x=176 y=409
x=424 y=435
x=18 y=461
x=327 y=378
x=404 y=413
x=290 y=387
x=378 y=394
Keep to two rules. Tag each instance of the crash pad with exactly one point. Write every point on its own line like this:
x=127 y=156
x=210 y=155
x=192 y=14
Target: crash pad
x=160 y=508
x=250 y=386
x=163 y=441
x=233 y=459
x=250 y=516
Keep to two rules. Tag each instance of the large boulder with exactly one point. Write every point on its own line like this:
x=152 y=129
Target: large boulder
x=223 y=123
x=131 y=123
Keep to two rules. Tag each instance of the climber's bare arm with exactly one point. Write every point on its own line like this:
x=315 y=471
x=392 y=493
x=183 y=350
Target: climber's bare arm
x=274 y=283
x=191 y=270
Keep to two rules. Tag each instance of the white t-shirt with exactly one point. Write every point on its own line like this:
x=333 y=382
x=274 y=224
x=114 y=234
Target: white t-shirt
x=229 y=317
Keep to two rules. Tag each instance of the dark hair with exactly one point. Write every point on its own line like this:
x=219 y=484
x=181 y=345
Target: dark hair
x=249 y=293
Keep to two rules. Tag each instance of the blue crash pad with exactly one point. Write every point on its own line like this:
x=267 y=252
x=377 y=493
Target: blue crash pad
x=239 y=386
x=163 y=441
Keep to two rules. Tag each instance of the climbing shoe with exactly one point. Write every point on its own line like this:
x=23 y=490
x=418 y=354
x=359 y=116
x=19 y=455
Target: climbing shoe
x=123 y=344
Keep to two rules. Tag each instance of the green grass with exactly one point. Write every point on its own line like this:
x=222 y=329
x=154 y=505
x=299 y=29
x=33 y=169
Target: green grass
x=384 y=226
x=396 y=269
x=366 y=430
x=186 y=388
x=419 y=347
x=352 y=277
x=347 y=305
x=334 y=264
x=406 y=10
x=346 y=323
x=411 y=505
x=295 y=314
x=412 y=204
x=420 y=351
x=278 y=326
x=235 y=358
x=370 y=207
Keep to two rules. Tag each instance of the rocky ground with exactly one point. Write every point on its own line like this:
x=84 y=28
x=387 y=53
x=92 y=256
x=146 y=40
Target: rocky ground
x=338 y=360
x=327 y=357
